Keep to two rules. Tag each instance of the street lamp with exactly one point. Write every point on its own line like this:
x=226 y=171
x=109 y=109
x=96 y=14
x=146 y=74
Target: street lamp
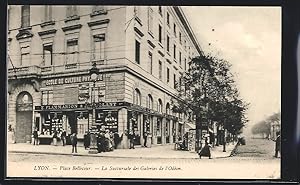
x=94 y=71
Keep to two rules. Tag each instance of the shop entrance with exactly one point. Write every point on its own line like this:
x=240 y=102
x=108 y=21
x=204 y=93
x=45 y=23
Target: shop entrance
x=24 y=118
x=72 y=121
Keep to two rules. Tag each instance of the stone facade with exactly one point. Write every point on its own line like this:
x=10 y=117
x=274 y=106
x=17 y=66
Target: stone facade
x=140 y=52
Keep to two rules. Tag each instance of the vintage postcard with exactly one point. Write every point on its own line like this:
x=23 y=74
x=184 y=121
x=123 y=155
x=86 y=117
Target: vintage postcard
x=171 y=92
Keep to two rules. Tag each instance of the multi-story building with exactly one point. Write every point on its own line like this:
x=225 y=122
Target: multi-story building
x=140 y=52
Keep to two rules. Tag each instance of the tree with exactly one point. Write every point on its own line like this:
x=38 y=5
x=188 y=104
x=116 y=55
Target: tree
x=264 y=127
x=208 y=89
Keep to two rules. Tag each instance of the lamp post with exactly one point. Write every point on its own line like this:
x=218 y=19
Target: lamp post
x=94 y=71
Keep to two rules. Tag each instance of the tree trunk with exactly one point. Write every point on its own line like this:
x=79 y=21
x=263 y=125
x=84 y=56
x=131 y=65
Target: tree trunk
x=218 y=136
x=198 y=132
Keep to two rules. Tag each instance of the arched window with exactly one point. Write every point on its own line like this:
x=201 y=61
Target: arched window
x=136 y=97
x=159 y=106
x=149 y=101
x=168 y=108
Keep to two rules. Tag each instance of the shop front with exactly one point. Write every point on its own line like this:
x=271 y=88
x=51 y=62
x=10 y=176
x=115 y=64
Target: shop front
x=75 y=118
x=140 y=121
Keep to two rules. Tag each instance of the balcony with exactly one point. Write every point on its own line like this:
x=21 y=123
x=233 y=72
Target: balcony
x=75 y=68
x=24 y=72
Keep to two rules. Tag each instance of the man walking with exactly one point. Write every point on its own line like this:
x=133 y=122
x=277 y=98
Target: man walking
x=277 y=144
x=35 y=137
x=74 y=143
x=63 y=137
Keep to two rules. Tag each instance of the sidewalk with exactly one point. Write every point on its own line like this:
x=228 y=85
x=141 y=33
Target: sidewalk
x=158 y=151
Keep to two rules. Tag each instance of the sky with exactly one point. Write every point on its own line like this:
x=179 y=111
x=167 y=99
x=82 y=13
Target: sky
x=250 y=39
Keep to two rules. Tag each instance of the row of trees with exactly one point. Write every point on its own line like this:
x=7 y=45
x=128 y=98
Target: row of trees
x=264 y=127
x=208 y=89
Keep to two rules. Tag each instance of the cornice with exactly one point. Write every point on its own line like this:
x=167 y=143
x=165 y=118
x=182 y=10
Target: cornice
x=188 y=28
x=47 y=32
x=71 y=27
x=98 y=22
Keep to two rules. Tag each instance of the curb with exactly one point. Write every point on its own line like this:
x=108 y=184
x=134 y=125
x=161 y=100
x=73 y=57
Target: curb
x=93 y=155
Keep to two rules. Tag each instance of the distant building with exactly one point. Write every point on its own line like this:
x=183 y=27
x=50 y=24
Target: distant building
x=140 y=51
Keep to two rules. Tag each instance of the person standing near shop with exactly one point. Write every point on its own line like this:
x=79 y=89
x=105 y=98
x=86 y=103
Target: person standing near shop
x=63 y=137
x=131 y=137
x=145 y=136
x=86 y=140
x=74 y=142
x=35 y=137
x=117 y=139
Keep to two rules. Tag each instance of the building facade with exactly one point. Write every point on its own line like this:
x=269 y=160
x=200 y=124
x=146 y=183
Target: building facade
x=140 y=52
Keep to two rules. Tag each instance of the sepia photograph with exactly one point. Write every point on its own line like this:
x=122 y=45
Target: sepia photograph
x=144 y=92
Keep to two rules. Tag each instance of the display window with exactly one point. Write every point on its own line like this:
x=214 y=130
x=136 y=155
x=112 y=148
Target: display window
x=132 y=121
x=52 y=122
x=107 y=120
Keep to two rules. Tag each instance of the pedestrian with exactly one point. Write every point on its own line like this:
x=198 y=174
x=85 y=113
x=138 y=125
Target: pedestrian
x=131 y=137
x=74 y=143
x=107 y=141
x=13 y=137
x=35 y=137
x=145 y=136
x=86 y=140
x=101 y=142
x=205 y=151
x=277 y=144
x=54 y=138
x=63 y=137
x=116 y=139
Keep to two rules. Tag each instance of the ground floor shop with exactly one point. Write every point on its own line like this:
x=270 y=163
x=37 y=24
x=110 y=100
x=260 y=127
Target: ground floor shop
x=150 y=127
x=117 y=101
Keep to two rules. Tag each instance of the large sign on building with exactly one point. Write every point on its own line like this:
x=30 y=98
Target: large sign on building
x=69 y=80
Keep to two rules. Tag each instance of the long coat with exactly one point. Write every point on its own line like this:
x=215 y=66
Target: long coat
x=74 y=140
x=205 y=151
x=278 y=143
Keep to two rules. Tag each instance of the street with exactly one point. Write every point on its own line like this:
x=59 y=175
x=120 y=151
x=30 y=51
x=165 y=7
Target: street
x=249 y=162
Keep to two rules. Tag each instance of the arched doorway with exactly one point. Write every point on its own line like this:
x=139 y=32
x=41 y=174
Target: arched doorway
x=24 y=117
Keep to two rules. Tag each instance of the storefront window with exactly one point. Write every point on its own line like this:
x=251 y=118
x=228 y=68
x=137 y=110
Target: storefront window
x=107 y=120
x=147 y=123
x=52 y=122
